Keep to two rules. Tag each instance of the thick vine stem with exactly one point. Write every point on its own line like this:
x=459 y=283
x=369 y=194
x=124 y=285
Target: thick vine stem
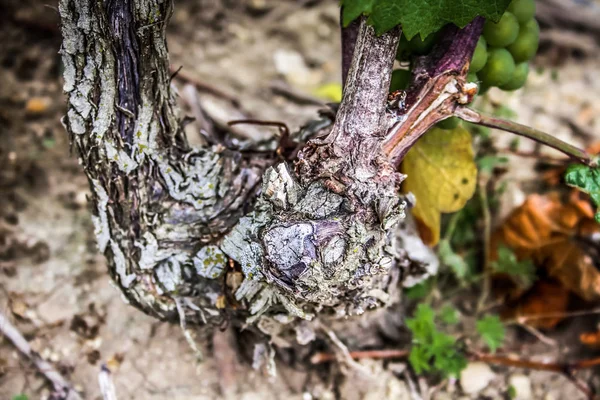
x=321 y=234
x=158 y=204
x=438 y=86
x=349 y=35
x=184 y=230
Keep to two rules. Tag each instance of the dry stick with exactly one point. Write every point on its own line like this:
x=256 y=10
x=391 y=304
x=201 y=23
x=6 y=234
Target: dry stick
x=567 y=369
x=320 y=358
x=61 y=385
x=523 y=319
x=281 y=125
x=487 y=233
x=544 y=138
x=203 y=86
x=297 y=96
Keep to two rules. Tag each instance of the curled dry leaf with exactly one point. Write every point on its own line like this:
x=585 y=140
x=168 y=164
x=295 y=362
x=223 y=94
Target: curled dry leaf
x=549 y=231
x=442 y=175
x=544 y=298
x=591 y=339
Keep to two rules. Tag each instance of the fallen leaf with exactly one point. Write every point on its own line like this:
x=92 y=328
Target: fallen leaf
x=590 y=339
x=442 y=174
x=37 y=105
x=545 y=230
x=544 y=298
x=329 y=91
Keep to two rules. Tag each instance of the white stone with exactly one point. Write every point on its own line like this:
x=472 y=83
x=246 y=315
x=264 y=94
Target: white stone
x=476 y=377
x=522 y=386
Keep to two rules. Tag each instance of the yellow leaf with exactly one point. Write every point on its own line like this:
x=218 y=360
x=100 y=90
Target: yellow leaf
x=329 y=91
x=442 y=175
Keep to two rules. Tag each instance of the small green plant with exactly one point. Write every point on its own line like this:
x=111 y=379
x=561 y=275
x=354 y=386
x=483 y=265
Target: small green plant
x=432 y=350
x=586 y=179
x=507 y=263
x=435 y=351
x=492 y=331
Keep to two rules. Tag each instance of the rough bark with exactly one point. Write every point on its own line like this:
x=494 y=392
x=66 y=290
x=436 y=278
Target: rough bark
x=186 y=231
x=158 y=204
x=321 y=234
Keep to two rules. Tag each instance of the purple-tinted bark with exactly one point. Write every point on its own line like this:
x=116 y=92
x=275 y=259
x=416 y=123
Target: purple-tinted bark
x=438 y=85
x=349 y=35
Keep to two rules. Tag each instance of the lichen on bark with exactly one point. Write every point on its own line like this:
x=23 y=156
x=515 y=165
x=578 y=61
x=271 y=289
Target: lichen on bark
x=157 y=201
x=211 y=234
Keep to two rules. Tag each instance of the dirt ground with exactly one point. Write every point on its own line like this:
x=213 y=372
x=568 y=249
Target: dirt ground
x=53 y=283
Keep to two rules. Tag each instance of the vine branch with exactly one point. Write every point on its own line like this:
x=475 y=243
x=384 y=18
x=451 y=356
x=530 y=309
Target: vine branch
x=438 y=86
x=475 y=117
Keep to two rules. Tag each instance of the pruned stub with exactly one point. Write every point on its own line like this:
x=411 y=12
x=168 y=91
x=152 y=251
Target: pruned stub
x=326 y=247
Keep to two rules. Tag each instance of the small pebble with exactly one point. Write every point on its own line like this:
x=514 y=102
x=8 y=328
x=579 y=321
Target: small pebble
x=476 y=377
x=521 y=385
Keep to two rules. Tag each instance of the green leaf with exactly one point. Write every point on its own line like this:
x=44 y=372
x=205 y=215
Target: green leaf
x=491 y=330
x=433 y=350
x=507 y=263
x=419 y=290
x=449 y=315
x=586 y=179
x=422 y=325
x=451 y=259
x=423 y=17
x=488 y=163
x=20 y=397
x=419 y=359
x=352 y=9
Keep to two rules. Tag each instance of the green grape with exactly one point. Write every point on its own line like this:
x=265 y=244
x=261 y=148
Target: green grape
x=503 y=33
x=531 y=26
x=499 y=68
x=472 y=77
x=422 y=46
x=524 y=10
x=519 y=77
x=479 y=56
x=448 y=123
x=400 y=79
x=526 y=45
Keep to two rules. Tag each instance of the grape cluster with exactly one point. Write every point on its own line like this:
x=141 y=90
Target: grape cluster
x=501 y=57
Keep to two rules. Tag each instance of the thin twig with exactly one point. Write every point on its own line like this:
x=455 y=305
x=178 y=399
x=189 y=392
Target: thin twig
x=487 y=233
x=567 y=369
x=536 y=155
x=298 y=97
x=320 y=358
x=544 y=138
x=281 y=125
x=186 y=332
x=524 y=318
x=178 y=73
x=63 y=388
x=539 y=335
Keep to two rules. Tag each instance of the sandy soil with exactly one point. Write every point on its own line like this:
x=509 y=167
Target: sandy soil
x=53 y=283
